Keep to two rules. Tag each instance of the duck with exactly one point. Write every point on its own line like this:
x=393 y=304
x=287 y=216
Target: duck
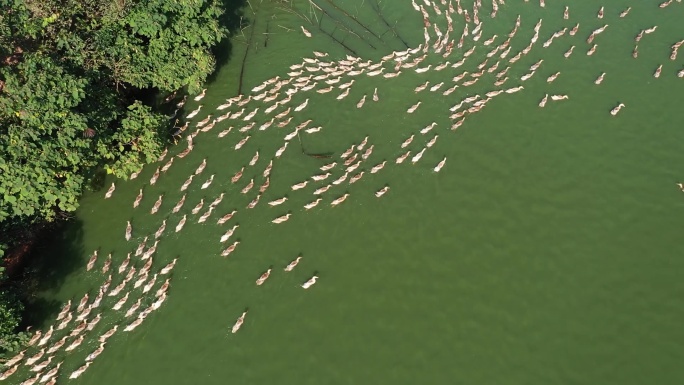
x=293 y=264
x=157 y=204
x=413 y=108
x=167 y=269
x=339 y=200
x=281 y=219
x=155 y=176
x=91 y=261
x=230 y=249
x=427 y=129
x=361 y=102
x=180 y=225
x=421 y=87
x=121 y=302
x=569 y=52
x=375 y=95
x=542 y=103
x=356 y=177
x=248 y=187
x=378 y=167
x=203 y=122
x=368 y=152
x=134 y=324
x=148 y=286
x=321 y=177
x=95 y=353
x=107 y=264
x=277 y=201
x=201 y=95
x=51 y=373
x=75 y=344
x=42 y=365
x=129 y=230
x=206 y=215
x=335 y=182
x=110 y=191
x=77 y=373
x=33 y=359
x=657 y=72
x=9 y=372
x=187 y=183
x=419 y=155
x=362 y=144
x=251 y=115
x=239 y=322
x=139 y=198
x=382 y=191
x=343 y=94
x=403 y=157
x=260 y=281
x=302 y=106
x=229 y=233
x=617 y=109
x=208 y=182
x=31 y=380
x=592 y=50
x=439 y=165
x=91 y=325
x=423 y=69
x=305 y=31
x=18 y=357
x=312 y=204
x=194 y=113
x=281 y=150
x=57 y=345
x=242 y=142
x=600 y=78
x=226 y=217
x=310 y=282
x=198 y=207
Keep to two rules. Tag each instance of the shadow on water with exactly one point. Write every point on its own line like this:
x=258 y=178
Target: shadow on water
x=233 y=19
x=48 y=266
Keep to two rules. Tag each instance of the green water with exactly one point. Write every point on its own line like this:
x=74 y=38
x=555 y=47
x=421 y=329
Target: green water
x=547 y=251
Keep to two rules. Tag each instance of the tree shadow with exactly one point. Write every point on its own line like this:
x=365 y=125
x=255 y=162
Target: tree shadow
x=49 y=264
x=233 y=20
x=97 y=177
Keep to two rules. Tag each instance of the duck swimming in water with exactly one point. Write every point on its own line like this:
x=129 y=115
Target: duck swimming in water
x=230 y=249
x=312 y=204
x=617 y=109
x=136 y=203
x=129 y=229
x=239 y=322
x=157 y=204
x=281 y=219
x=310 y=282
x=110 y=191
x=77 y=373
x=180 y=224
x=260 y=281
x=440 y=165
x=91 y=261
x=208 y=182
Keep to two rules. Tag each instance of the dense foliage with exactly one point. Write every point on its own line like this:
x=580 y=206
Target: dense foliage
x=71 y=76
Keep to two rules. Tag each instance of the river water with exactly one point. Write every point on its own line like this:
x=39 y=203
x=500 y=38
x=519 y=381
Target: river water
x=546 y=250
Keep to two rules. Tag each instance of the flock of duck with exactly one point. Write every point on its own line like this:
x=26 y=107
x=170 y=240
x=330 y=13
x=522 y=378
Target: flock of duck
x=276 y=103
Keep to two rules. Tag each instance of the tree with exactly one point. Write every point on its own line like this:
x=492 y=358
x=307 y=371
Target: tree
x=72 y=76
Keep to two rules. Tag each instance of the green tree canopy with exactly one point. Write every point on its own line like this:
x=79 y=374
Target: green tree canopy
x=73 y=69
